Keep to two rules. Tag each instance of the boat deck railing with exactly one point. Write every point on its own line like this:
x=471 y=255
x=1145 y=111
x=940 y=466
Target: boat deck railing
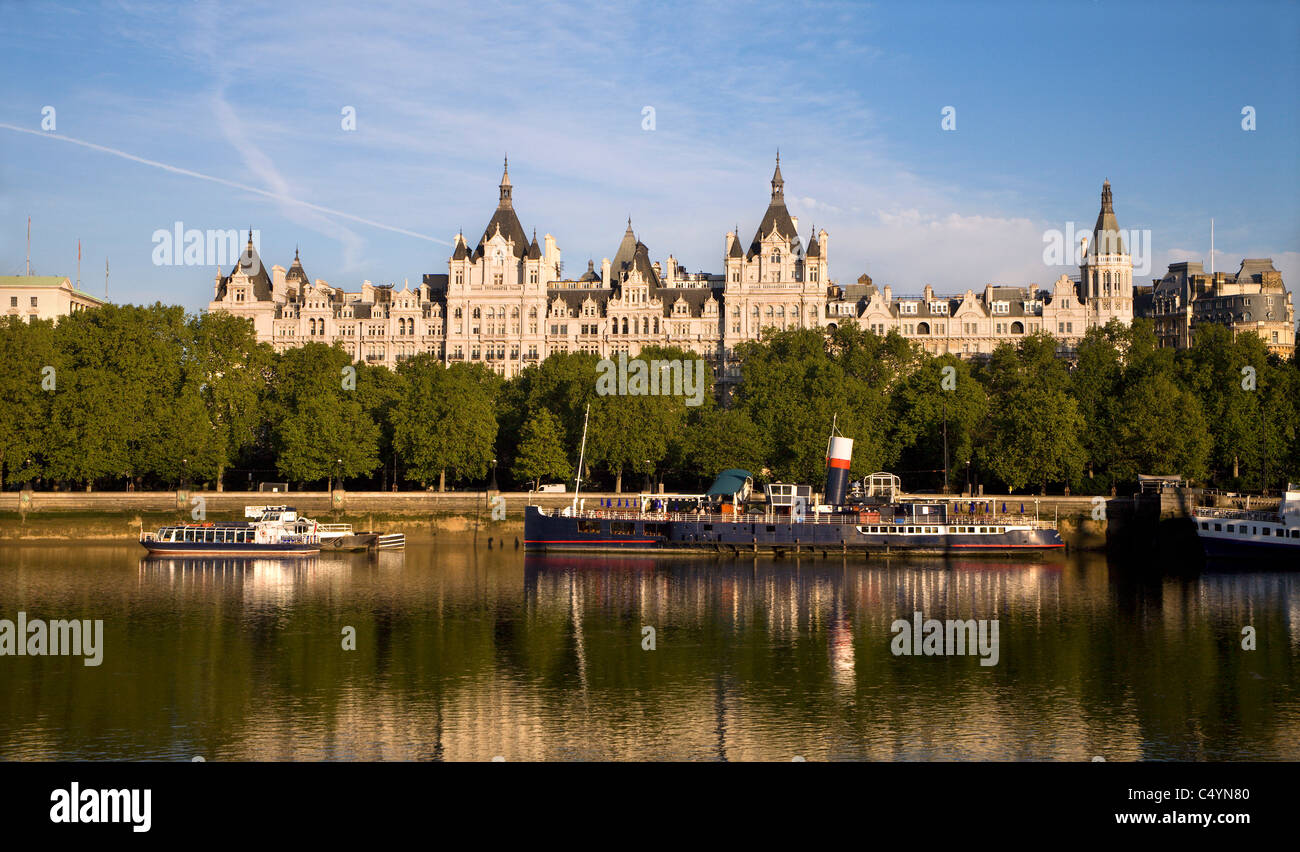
x=1236 y=514
x=999 y=520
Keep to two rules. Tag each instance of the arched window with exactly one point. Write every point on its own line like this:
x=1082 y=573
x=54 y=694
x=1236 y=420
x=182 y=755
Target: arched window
x=477 y=313
x=514 y=312
x=625 y=325
x=458 y=313
x=769 y=311
x=656 y=325
x=645 y=325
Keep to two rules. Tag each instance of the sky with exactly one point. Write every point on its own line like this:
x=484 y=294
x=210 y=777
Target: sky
x=118 y=120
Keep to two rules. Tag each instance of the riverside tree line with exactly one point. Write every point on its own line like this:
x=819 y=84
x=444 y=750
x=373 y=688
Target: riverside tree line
x=150 y=397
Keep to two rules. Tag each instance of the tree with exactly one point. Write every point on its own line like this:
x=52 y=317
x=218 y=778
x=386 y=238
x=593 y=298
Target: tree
x=26 y=350
x=639 y=430
x=1035 y=428
x=725 y=438
x=446 y=420
x=942 y=390
x=232 y=370
x=319 y=428
x=1161 y=431
x=541 y=454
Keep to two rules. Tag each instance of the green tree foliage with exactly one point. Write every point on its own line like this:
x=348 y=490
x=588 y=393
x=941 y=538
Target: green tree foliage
x=446 y=420
x=725 y=438
x=541 y=453
x=149 y=394
x=25 y=351
x=942 y=390
x=639 y=431
x=797 y=383
x=1034 y=435
x=319 y=428
x=230 y=369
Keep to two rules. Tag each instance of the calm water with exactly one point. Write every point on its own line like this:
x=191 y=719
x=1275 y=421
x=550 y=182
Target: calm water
x=467 y=654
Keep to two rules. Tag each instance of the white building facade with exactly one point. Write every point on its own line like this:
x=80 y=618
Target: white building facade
x=505 y=303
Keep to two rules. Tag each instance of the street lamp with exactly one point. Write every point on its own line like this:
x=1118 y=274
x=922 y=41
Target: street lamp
x=339 y=473
x=492 y=486
x=649 y=486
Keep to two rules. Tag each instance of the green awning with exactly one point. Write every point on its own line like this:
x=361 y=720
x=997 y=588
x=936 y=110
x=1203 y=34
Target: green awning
x=728 y=482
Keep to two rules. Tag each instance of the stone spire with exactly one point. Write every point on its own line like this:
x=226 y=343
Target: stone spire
x=1106 y=238
x=778 y=183
x=505 y=185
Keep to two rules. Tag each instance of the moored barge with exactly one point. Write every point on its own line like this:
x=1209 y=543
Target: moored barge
x=726 y=520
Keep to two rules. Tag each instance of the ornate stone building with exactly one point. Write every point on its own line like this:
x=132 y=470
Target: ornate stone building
x=504 y=301
x=1251 y=300
x=975 y=323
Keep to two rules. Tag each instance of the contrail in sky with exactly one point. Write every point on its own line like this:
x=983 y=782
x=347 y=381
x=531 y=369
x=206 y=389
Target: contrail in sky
x=190 y=173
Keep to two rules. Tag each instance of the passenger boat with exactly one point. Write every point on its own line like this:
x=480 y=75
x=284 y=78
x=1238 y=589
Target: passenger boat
x=277 y=531
x=1238 y=533
x=725 y=519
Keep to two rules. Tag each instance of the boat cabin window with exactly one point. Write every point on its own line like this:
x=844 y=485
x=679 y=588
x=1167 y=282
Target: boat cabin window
x=622 y=527
x=1218 y=527
x=588 y=526
x=1267 y=531
x=1206 y=526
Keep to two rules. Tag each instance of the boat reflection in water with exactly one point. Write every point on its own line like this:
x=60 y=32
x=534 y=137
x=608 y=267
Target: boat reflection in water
x=261 y=579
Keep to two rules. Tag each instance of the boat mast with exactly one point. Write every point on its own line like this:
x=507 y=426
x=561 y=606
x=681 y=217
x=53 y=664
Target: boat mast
x=582 y=455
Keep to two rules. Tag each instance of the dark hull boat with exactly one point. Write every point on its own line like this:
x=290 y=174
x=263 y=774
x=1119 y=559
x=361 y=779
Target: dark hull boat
x=1237 y=535
x=634 y=531
x=725 y=520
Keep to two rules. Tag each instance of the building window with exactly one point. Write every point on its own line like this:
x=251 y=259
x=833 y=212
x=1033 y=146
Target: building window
x=13 y=301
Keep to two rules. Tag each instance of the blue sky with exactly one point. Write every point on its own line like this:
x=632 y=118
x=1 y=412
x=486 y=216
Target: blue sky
x=1050 y=100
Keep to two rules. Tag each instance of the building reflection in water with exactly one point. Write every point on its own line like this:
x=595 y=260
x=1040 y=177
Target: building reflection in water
x=465 y=653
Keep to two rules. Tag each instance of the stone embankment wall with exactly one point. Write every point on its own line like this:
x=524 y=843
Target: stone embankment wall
x=1133 y=525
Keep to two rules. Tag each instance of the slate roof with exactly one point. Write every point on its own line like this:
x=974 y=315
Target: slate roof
x=251 y=265
x=777 y=218
x=814 y=247
x=1106 y=232
x=626 y=253
x=296 y=272
x=1253 y=269
x=695 y=298
x=504 y=219
x=591 y=274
